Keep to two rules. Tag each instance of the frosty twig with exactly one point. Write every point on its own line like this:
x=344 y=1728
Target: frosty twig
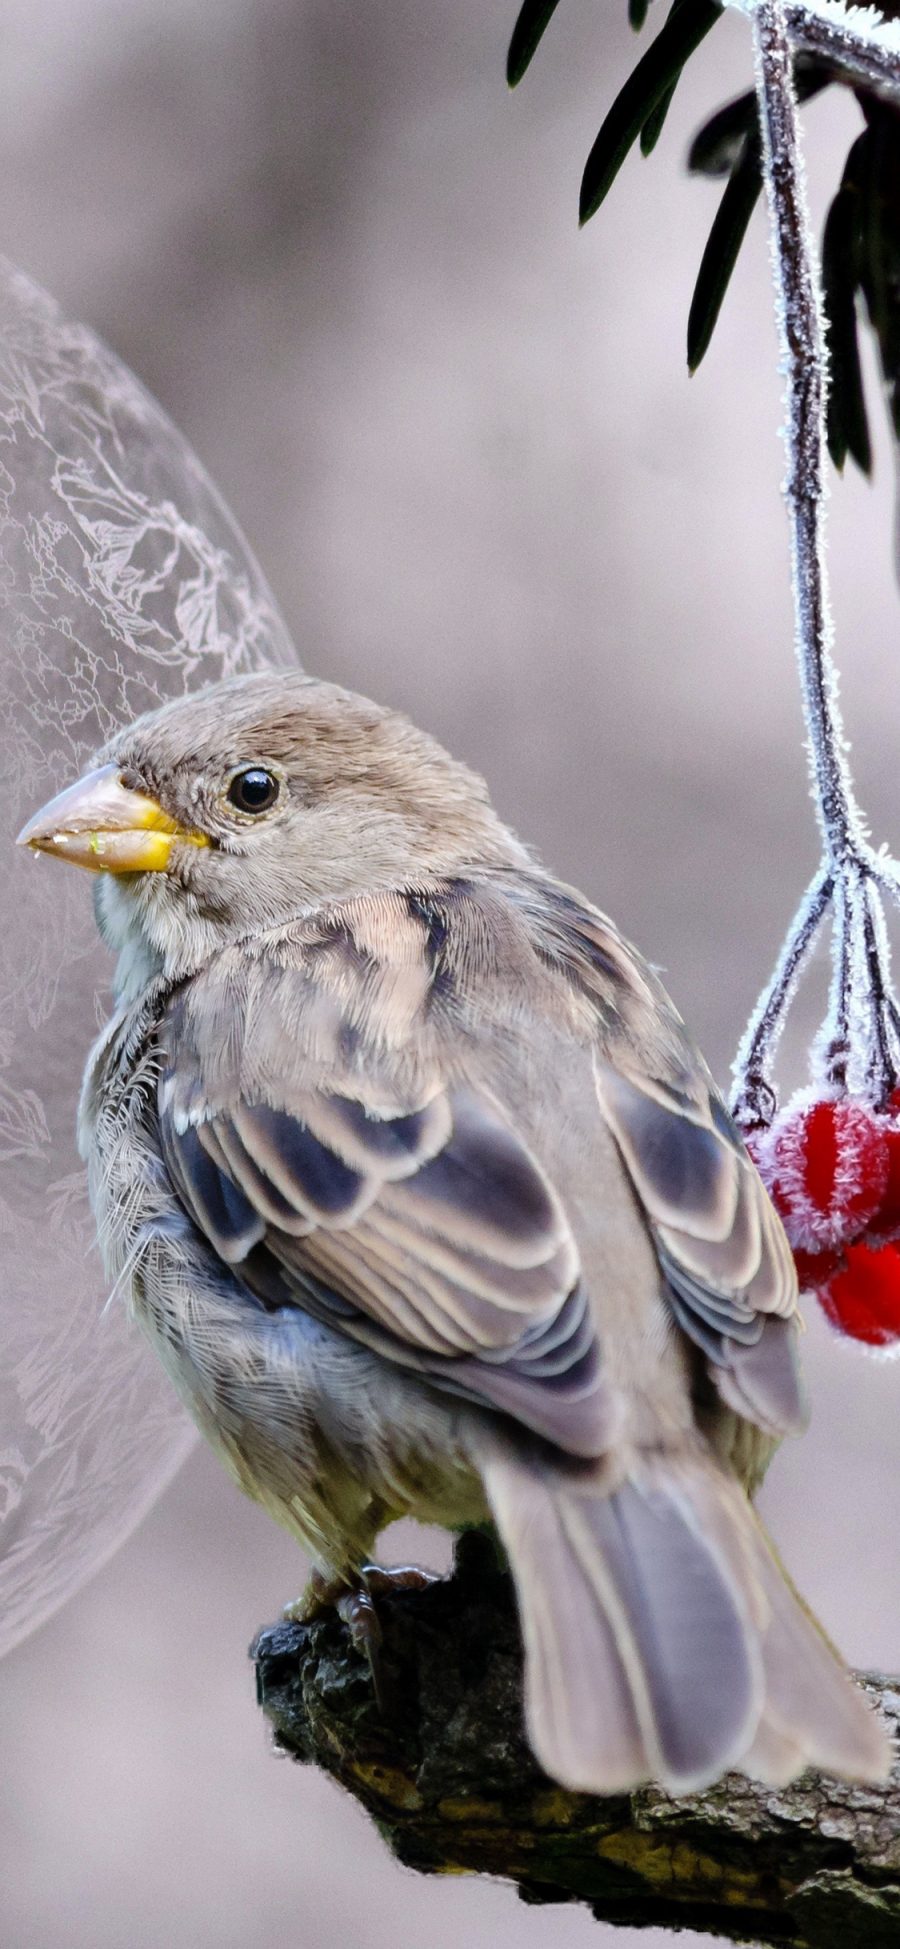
x=858 y=1046
x=800 y=329
x=754 y=1099
x=857 y=41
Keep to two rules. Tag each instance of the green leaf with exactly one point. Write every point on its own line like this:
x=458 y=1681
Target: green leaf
x=653 y=127
x=729 y=143
x=878 y=165
x=716 y=147
x=722 y=247
x=637 y=13
x=655 y=76
x=848 y=426
x=534 y=17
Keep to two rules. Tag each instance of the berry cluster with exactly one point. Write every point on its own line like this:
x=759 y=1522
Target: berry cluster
x=832 y=1167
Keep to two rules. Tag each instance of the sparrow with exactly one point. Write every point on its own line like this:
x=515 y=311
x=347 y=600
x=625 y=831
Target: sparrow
x=417 y=1183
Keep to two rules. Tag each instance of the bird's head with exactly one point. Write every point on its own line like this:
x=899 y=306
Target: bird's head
x=230 y=812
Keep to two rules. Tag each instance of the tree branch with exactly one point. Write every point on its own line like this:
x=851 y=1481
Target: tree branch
x=856 y=41
x=446 y=1773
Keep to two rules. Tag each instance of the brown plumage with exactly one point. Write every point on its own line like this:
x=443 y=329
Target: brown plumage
x=430 y=1206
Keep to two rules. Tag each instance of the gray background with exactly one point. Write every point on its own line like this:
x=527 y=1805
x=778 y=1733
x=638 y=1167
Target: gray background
x=461 y=439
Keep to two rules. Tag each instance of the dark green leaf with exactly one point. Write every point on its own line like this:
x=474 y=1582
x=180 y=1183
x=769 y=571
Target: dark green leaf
x=655 y=75
x=878 y=166
x=848 y=427
x=724 y=242
x=534 y=17
x=716 y=147
x=653 y=127
x=637 y=13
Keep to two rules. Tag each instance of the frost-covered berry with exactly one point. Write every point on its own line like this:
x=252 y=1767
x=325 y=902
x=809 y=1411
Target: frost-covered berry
x=814 y=1269
x=885 y=1223
x=862 y=1298
x=825 y=1162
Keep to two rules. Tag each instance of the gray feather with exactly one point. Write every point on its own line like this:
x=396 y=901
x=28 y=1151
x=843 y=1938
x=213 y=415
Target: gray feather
x=442 y=1244
x=306 y=1172
x=694 y=1664
x=764 y=1383
x=219 y=1207
x=812 y=1701
x=721 y=1246
x=702 y=1658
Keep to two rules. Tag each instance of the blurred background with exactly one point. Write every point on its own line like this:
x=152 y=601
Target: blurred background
x=461 y=439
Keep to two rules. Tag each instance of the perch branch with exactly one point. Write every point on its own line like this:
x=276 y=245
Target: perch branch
x=447 y=1775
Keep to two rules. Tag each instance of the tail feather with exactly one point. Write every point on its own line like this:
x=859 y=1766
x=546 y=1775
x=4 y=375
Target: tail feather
x=573 y=1718
x=662 y=1640
x=693 y=1667
x=773 y=1757
x=810 y=1698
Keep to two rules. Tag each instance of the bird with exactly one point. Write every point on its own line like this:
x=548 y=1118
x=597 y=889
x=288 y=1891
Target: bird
x=411 y=1172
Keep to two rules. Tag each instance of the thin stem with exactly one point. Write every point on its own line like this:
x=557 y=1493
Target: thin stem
x=754 y=1098
x=856 y=41
x=800 y=329
x=832 y=1047
x=880 y=1079
x=857 y=1047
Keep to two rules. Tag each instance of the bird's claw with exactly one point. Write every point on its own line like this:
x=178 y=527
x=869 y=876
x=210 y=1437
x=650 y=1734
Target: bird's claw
x=355 y=1606
x=380 y=1579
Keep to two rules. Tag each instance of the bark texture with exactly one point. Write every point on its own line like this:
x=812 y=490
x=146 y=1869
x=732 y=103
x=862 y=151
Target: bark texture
x=443 y=1767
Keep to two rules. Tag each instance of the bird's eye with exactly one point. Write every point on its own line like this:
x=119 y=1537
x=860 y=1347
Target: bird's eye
x=254 y=790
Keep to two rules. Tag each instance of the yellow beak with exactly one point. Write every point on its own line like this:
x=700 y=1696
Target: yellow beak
x=103 y=825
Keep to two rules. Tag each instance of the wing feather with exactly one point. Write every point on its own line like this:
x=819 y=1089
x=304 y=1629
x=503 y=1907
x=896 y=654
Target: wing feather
x=721 y=1245
x=336 y=1160
x=414 y=1219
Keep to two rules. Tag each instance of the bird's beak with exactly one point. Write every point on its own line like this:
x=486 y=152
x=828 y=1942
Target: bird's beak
x=104 y=825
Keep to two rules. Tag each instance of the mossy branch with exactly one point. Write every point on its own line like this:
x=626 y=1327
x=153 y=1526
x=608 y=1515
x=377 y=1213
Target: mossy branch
x=446 y=1773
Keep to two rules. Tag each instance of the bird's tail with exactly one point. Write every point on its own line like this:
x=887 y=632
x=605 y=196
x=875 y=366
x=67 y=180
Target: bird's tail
x=662 y=1640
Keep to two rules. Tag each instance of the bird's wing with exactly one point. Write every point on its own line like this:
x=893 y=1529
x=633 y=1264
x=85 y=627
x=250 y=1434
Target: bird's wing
x=333 y=1161
x=721 y=1246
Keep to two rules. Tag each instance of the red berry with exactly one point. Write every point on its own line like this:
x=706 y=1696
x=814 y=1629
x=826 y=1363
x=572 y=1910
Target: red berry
x=862 y=1299
x=814 y=1269
x=825 y=1161
x=886 y=1221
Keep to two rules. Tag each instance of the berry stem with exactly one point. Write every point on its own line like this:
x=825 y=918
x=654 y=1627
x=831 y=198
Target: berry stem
x=754 y=1100
x=799 y=316
x=858 y=1046
x=885 y=1058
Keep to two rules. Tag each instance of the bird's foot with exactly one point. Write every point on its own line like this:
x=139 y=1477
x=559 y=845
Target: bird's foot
x=355 y=1606
x=340 y=1594
x=380 y=1579
x=321 y=1594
